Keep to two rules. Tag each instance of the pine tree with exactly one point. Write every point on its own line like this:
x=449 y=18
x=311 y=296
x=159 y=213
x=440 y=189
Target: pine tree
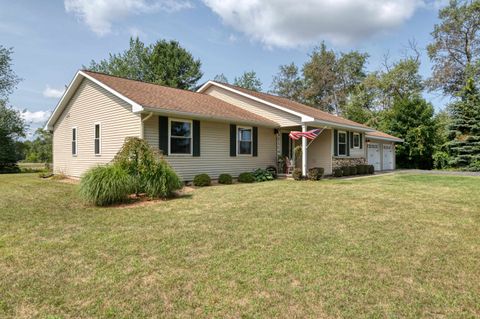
x=464 y=130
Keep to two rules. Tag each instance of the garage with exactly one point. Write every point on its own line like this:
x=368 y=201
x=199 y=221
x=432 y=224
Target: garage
x=373 y=150
x=387 y=163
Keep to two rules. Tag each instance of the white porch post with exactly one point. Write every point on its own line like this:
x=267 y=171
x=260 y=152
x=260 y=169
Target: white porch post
x=304 y=151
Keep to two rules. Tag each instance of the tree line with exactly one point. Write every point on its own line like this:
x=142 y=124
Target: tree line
x=390 y=99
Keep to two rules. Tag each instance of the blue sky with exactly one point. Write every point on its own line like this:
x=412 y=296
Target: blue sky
x=53 y=39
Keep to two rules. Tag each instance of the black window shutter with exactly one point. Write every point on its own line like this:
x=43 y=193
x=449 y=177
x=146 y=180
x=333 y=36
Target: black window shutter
x=233 y=140
x=351 y=139
x=285 y=144
x=361 y=140
x=335 y=142
x=255 y=141
x=347 y=145
x=163 y=134
x=196 y=138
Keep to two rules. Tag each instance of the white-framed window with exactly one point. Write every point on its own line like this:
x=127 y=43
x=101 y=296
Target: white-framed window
x=342 y=143
x=244 y=140
x=97 y=141
x=356 y=140
x=180 y=137
x=74 y=141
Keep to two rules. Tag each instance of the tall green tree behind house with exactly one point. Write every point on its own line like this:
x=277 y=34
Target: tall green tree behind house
x=220 y=78
x=455 y=50
x=8 y=78
x=39 y=150
x=464 y=129
x=164 y=63
x=249 y=80
x=288 y=83
x=330 y=78
x=412 y=119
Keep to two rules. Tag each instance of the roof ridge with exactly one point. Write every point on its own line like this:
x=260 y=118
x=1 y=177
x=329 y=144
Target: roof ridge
x=143 y=82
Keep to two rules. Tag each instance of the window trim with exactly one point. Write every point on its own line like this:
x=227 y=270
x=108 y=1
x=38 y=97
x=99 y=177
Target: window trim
x=353 y=138
x=170 y=120
x=338 y=143
x=251 y=140
x=72 y=140
x=99 y=138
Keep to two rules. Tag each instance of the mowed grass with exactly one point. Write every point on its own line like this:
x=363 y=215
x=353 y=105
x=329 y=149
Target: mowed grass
x=385 y=246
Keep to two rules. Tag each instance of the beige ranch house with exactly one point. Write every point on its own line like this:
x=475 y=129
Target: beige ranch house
x=218 y=129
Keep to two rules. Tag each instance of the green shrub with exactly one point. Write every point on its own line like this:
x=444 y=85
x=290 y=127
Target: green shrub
x=106 y=185
x=338 y=172
x=160 y=181
x=297 y=174
x=202 y=180
x=225 y=179
x=262 y=175
x=345 y=170
x=441 y=160
x=315 y=173
x=353 y=170
x=371 y=169
x=9 y=169
x=272 y=170
x=246 y=177
x=361 y=169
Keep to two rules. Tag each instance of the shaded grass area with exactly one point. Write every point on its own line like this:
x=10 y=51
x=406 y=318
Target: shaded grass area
x=399 y=245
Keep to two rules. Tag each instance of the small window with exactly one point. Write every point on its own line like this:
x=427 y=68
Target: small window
x=180 y=137
x=342 y=143
x=356 y=140
x=244 y=141
x=97 y=140
x=74 y=141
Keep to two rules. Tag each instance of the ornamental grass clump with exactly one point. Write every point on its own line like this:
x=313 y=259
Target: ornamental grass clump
x=106 y=185
x=160 y=181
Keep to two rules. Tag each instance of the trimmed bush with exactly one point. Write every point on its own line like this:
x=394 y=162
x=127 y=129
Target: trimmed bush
x=161 y=180
x=262 y=175
x=345 y=171
x=106 y=185
x=361 y=169
x=371 y=169
x=9 y=169
x=338 y=172
x=353 y=170
x=297 y=174
x=272 y=170
x=202 y=180
x=225 y=179
x=246 y=177
x=315 y=173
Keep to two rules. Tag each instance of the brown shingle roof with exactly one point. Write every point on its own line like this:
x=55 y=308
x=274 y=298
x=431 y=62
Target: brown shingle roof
x=297 y=107
x=170 y=99
x=382 y=135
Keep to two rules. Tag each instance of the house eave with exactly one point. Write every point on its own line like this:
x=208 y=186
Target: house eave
x=339 y=126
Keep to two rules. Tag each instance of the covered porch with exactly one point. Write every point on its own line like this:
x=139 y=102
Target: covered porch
x=305 y=153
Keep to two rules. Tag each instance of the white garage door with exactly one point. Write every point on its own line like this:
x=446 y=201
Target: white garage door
x=374 y=155
x=387 y=156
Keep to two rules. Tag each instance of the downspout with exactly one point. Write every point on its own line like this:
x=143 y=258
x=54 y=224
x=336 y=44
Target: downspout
x=142 y=129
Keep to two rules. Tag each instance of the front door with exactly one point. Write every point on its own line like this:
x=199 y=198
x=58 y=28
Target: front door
x=374 y=155
x=387 y=157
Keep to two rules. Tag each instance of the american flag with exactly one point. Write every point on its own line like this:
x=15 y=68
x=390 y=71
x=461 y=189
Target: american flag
x=295 y=135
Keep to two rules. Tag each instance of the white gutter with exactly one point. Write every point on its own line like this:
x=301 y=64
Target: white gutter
x=342 y=126
x=398 y=140
x=142 y=129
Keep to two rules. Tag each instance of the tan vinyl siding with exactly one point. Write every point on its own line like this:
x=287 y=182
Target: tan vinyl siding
x=319 y=153
x=215 y=151
x=89 y=105
x=359 y=152
x=278 y=116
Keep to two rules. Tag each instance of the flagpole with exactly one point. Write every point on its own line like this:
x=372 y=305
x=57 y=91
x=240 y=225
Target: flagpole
x=304 y=151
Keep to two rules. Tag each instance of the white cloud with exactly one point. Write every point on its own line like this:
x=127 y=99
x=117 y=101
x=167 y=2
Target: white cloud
x=99 y=15
x=35 y=117
x=290 y=23
x=52 y=93
x=136 y=32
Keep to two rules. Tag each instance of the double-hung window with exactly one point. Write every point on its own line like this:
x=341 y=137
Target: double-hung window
x=97 y=139
x=356 y=140
x=74 y=141
x=180 y=137
x=244 y=146
x=342 y=143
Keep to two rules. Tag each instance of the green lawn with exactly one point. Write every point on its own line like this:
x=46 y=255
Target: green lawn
x=387 y=246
